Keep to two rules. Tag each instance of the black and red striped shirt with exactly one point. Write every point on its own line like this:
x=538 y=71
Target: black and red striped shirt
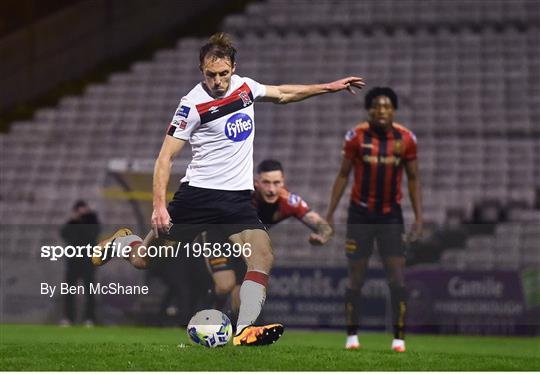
x=378 y=159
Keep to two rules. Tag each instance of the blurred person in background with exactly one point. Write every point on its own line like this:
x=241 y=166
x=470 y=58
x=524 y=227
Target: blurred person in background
x=81 y=229
x=378 y=150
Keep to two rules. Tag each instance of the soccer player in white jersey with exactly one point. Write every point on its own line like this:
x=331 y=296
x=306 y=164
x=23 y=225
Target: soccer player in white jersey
x=217 y=119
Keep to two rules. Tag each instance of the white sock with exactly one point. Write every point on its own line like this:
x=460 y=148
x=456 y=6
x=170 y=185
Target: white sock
x=352 y=340
x=252 y=297
x=125 y=241
x=398 y=343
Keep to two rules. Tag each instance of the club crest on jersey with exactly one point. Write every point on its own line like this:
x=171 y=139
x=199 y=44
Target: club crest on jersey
x=349 y=135
x=239 y=127
x=245 y=98
x=180 y=124
x=294 y=200
x=398 y=147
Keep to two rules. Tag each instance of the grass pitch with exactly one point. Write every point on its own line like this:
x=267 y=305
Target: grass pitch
x=51 y=348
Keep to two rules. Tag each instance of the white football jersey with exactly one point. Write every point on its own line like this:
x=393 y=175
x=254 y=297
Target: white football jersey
x=221 y=133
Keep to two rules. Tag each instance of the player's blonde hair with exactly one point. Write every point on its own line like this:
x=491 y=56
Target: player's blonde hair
x=219 y=45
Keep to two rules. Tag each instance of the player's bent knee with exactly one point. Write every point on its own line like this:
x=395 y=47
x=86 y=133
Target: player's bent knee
x=224 y=288
x=224 y=282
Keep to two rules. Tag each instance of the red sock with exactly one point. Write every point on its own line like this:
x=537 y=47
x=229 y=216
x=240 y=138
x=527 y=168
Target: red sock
x=257 y=277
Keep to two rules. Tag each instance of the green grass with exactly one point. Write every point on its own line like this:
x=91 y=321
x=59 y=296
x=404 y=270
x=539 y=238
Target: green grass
x=25 y=347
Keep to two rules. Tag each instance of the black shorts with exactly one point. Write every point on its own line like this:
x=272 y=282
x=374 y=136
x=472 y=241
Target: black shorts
x=220 y=263
x=194 y=210
x=236 y=264
x=364 y=229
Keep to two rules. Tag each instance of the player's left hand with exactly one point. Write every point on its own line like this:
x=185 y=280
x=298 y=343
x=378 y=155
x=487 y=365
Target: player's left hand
x=161 y=221
x=415 y=233
x=316 y=239
x=323 y=236
x=347 y=84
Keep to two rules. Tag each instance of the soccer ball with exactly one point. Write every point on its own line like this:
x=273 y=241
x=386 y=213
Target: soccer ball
x=210 y=328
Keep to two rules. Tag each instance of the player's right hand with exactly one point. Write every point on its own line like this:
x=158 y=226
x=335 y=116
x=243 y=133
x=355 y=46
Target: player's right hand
x=161 y=221
x=347 y=84
x=416 y=232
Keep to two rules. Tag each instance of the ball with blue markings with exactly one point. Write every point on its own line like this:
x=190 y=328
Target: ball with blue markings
x=210 y=328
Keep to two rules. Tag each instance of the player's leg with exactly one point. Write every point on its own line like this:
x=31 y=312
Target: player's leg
x=240 y=269
x=220 y=268
x=72 y=274
x=395 y=269
x=227 y=274
x=138 y=256
x=392 y=251
x=356 y=268
x=358 y=249
x=224 y=284
x=90 y=306
x=259 y=263
x=235 y=300
x=133 y=248
x=181 y=214
x=122 y=239
x=253 y=289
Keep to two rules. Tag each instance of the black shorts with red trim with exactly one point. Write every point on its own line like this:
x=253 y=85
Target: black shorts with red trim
x=364 y=229
x=229 y=260
x=194 y=210
x=236 y=264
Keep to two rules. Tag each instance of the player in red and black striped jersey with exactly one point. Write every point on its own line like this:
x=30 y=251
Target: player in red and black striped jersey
x=274 y=203
x=378 y=150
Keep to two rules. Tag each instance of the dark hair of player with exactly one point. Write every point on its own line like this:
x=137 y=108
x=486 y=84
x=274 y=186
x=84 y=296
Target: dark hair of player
x=79 y=203
x=218 y=46
x=269 y=165
x=381 y=91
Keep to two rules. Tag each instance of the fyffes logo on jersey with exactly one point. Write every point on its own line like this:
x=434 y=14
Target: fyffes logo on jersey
x=239 y=127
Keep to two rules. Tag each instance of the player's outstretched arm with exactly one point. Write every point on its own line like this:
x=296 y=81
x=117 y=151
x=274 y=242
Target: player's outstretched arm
x=290 y=93
x=413 y=184
x=322 y=232
x=162 y=171
x=339 y=187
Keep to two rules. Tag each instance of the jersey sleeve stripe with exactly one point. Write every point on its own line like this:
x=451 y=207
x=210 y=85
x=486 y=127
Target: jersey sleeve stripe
x=394 y=183
x=234 y=96
x=224 y=110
